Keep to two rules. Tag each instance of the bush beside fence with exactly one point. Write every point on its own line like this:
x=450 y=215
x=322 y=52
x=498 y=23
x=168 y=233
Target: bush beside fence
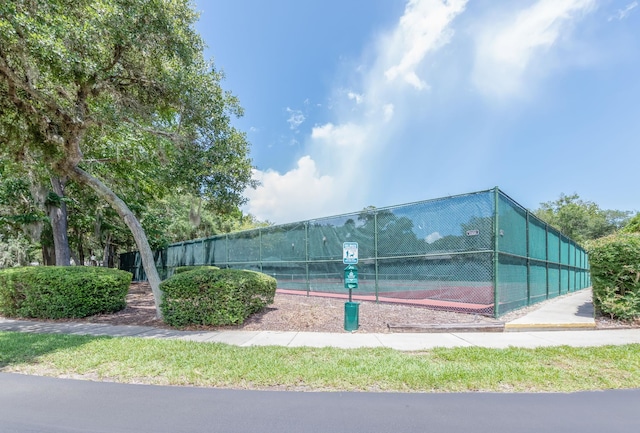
x=55 y=292
x=615 y=272
x=215 y=297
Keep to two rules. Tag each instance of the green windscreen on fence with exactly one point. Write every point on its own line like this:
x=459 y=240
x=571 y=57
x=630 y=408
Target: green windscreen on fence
x=480 y=252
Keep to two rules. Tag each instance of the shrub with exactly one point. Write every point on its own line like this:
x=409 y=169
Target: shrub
x=215 y=296
x=615 y=274
x=55 y=292
x=181 y=269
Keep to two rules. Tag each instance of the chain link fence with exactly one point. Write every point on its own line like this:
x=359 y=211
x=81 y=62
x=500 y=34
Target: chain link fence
x=480 y=252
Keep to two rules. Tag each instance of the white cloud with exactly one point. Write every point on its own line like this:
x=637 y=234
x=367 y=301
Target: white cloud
x=343 y=153
x=506 y=50
x=347 y=135
x=424 y=27
x=296 y=195
x=431 y=238
x=623 y=13
x=296 y=118
x=356 y=97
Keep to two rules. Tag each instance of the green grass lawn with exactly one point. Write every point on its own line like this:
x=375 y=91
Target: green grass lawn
x=171 y=362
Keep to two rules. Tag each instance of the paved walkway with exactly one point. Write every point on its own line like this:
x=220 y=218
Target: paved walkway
x=567 y=320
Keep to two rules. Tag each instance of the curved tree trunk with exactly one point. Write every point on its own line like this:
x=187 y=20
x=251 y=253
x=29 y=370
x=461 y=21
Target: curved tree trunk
x=58 y=217
x=132 y=222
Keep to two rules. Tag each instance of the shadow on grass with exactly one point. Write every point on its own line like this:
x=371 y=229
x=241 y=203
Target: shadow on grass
x=19 y=348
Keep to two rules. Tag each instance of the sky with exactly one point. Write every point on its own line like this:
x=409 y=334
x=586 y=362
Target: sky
x=356 y=103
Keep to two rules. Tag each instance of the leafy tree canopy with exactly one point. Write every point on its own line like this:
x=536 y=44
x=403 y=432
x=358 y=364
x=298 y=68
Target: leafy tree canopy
x=116 y=96
x=633 y=226
x=581 y=220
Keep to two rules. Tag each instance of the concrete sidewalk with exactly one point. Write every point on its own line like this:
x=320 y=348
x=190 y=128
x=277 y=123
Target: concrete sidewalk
x=572 y=311
x=562 y=321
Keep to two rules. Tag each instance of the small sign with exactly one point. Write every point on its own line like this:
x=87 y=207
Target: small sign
x=350 y=277
x=473 y=232
x=350 y=253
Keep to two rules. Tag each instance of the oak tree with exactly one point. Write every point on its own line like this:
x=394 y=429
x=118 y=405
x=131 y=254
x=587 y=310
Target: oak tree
x=85 y=78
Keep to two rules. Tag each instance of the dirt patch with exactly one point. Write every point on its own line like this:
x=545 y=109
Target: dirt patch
x=296 y=313
x=317 y=314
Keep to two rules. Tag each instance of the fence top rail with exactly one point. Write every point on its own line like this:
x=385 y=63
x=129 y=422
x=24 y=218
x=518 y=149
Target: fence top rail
x=251 y=232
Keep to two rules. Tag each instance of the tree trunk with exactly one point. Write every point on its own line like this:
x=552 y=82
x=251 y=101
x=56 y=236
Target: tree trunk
x=75 y=260
x=80 y=249
x=58 y=217
x=48 y=255
x=107 y=261
x=148 y=263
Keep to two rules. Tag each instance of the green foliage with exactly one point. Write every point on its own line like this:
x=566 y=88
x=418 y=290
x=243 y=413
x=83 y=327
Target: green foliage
x=633 y=226
x=128 y=84
x=17 y=208
x=215 y=297
x=187 y=216
x=615 y=273
x=62 y=292
x=15 y=251
x=118 y=93
x=181 y=269
x=581 y=220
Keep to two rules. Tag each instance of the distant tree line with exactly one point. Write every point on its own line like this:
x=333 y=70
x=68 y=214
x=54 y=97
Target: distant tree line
x=582 y=220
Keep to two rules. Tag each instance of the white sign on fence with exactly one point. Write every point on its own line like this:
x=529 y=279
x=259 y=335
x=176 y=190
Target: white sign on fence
x=350 y=253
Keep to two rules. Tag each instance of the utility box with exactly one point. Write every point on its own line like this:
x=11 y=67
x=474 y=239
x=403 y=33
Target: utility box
x=351 y=316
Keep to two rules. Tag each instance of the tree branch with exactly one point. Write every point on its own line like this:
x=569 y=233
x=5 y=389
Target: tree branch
x=12 y=79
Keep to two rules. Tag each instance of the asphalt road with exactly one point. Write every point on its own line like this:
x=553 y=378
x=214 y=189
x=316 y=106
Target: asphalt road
x=30 y=404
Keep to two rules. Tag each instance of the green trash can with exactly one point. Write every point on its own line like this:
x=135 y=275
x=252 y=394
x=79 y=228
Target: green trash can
x=351 y=316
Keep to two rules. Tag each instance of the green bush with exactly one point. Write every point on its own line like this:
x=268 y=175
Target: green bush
x=55 y=292
x=615 y=275
x=181 y=269
x=215 y=296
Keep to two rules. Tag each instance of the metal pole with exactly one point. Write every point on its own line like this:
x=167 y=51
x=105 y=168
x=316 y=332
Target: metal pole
x=559 y=263
x=306 y=255
x=227 y=247
x=375 y=250
x=496 y=293
x=528 y=262
x=546 y=256
x=260 y=244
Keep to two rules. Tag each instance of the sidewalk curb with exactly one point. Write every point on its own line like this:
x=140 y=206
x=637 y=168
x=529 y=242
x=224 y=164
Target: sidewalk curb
x=524 y=327
x=449 y=327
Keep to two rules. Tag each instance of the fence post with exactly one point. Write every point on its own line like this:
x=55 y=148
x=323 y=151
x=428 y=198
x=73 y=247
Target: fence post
x=528 y=262
x=546 y=255
x=496 y=229
x=260 y=246
x=226 y=245
x=306 y=255
x=375 y=249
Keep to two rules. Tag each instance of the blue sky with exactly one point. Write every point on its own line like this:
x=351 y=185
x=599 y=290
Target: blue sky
x=352 y=103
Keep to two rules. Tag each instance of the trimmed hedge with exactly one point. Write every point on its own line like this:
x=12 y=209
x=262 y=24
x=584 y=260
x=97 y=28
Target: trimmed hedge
x=56 y=292
x=215 y=296
x=181 y=269
x=615 y=275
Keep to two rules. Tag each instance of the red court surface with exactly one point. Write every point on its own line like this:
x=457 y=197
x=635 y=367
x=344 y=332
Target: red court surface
x=450 y=297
